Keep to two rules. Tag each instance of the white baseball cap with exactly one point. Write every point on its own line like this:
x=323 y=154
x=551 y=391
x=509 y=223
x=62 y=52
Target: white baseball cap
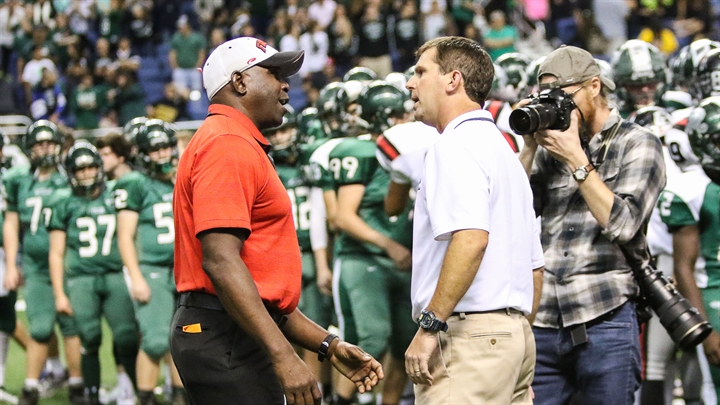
x=240 y=54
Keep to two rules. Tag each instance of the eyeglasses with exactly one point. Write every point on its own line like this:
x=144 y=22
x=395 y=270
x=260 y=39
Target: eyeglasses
x=572 y=95
x=554 y=85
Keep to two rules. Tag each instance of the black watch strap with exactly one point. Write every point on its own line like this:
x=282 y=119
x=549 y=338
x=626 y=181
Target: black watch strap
x=428 y=321
x=325 y=347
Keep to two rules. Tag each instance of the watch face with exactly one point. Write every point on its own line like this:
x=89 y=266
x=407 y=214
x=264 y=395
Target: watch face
x=580 y=174
x=425 y=321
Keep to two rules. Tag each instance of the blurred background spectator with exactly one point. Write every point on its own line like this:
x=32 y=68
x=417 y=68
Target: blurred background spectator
x=172 y=107
x=187 y=54
x=407 y=34
x=315 y=44
x=113 y=59
x=611 y=18
x=501 y=37
x=663 y=38
x=374 y=39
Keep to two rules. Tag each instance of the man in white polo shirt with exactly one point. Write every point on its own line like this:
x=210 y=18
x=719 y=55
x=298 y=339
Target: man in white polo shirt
x=475 y=242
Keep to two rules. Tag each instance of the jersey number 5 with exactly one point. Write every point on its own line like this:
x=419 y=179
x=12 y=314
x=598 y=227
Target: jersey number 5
x=163 y=221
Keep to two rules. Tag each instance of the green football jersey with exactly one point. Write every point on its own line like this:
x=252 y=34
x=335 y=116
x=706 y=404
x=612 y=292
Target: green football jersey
x=315 y=158
x=3 y=206
x=692 y=199
x=90 y=231
x=354 y=162
x=299 y=193
x=29 y=198
x=152 y=200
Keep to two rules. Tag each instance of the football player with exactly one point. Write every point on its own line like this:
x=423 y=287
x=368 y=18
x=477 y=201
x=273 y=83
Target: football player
x=28 y=190
x=640 y=73
x=316 y=296
x=690 y=208
x=146 y=238
x=515 y=64
x=116 y=152
x=684 y=65
x=371 y=272
x=360 y=73
x=659 y=347
x=8 y=318
x=85 y=265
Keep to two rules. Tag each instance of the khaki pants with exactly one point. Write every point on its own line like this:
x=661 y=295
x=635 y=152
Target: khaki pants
x=382 y=65
x=483 y=359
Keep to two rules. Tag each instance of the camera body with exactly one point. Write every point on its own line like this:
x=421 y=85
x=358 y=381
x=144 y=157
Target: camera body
x=550 y=109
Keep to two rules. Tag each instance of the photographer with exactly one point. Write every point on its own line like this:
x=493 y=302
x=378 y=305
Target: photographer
x=586 y=328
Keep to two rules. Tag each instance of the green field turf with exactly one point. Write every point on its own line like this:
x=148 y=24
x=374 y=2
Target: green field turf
x=15 y=374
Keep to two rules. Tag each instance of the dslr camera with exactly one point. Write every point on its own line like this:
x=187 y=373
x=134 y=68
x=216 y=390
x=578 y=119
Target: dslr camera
x=550 y=109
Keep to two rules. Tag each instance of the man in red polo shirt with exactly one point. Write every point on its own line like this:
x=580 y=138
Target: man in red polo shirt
x=237 y=261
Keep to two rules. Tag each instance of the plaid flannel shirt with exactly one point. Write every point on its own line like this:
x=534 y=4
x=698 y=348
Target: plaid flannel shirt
x=586 y=274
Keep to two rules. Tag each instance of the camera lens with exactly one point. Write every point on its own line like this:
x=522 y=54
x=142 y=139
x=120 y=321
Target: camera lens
x=532 y=118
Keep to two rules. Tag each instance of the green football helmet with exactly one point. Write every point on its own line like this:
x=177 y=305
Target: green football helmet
x=5 y=162
x=639 y=72
x=348 y=95
x=309 y=126
x=514 y=65
x=397 y=79
x=380 y=102
x=330 y=110
x=410 y=72
x=654 y=118
x=41 y=131
x=605 y=69
x=531 y=71
x=685 y=64
x=131 y=128
x=707 y=76
x=703 y=130
x=360 y=73
x=83 y=154
x=283 y=139
x=154 y=135
x=500 y=88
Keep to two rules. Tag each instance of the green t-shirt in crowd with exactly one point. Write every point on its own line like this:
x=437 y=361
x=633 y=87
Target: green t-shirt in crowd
x=187 y=49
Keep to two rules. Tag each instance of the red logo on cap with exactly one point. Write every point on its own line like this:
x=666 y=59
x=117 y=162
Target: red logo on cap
x=261 y=45
x=250 y=61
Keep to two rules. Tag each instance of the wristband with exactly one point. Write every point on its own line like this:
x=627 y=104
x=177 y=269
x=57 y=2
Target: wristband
x=325 y=347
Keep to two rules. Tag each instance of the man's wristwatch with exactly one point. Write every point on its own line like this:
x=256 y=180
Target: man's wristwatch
x=428 y=321
x=582 y=172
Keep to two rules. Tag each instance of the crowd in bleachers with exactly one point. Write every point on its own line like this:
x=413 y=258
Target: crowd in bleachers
x=98 y=63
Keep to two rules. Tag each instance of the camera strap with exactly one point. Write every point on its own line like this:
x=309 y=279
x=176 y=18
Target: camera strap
x=610 y=135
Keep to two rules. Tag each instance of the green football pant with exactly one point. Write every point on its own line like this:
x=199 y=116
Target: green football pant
x=711 y=298
x=41 y=314
x=372 y=302
x=154 y=317
x=93 y=296
x=314 y=304
x=8 y=320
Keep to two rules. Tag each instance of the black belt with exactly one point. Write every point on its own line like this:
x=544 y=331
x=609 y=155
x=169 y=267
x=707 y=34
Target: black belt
x=496 y=311
x=196 y=299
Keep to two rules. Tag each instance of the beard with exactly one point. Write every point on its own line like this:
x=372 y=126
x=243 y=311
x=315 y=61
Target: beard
x=587 y=117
